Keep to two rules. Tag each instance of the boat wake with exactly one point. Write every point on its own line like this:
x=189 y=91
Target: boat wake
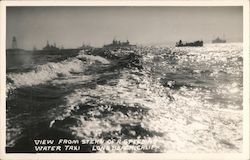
x=165 y=99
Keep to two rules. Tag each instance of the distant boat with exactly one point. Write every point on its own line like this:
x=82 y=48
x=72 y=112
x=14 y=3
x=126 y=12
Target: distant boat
x=119 y=44
x=190 y=44
x=218 y=40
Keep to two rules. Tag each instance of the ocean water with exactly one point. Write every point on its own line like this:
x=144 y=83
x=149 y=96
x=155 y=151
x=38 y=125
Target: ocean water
x=164 y=99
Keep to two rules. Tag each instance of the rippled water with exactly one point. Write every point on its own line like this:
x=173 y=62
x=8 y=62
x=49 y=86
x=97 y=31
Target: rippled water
x=175 y=99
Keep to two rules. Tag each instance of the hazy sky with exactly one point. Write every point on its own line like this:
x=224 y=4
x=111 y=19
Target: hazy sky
x=71 y=26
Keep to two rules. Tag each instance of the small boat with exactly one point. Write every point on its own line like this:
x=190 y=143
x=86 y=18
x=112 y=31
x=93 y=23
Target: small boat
x=218 y=40
x=190 y=44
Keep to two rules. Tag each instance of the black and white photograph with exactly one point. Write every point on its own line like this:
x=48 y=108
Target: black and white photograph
x=124 y=79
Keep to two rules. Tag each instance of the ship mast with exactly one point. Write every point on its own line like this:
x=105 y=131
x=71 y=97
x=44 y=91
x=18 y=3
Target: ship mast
x=14 y=43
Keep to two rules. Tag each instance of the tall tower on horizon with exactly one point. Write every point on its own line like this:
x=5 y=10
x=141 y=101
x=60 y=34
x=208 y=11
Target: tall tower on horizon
x=14 y=43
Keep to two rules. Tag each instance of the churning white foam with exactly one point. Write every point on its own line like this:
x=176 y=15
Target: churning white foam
x=44 y=73
x=52 y=70
x=183 y=120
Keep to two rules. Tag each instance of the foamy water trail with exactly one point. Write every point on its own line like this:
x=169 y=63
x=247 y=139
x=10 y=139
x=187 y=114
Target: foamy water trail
x=92 y=58
x=47 y=72
x=181 y=99
x=173 y=121
x=192 y=118
x=44 y=73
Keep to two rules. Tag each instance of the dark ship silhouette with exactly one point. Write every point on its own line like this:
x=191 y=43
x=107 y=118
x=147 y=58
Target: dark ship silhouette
x=119 y=44
x=49 y=47
x=189 y=44
x=218 y=40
